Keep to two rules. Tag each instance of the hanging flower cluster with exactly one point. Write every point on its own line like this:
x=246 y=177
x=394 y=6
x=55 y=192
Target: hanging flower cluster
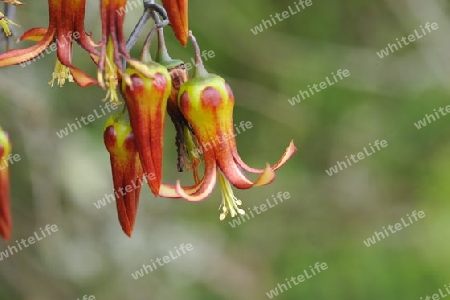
x=201 y=107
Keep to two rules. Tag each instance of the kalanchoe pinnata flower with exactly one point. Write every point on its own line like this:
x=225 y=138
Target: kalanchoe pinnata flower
x=5 y=213
x=126 y=168
x=186 y=142
x=178 y=17
x=207 y=103
x=66 y=23
x=146 y=96
x=4 y=24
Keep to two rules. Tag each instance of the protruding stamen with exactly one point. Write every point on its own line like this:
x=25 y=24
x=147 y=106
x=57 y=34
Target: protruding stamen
x=61 y=73
x=111 y=74
x=229 y=202
x=5 y=22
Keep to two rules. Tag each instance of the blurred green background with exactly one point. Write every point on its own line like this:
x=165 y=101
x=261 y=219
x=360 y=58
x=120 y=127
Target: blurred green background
x=326 y=219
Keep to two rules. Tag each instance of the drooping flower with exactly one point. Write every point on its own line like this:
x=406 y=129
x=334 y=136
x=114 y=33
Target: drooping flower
x=126 y=168
x=146 y=96
x=207 y=103
x=177 y=11
x=5 y=213
x=66 y=24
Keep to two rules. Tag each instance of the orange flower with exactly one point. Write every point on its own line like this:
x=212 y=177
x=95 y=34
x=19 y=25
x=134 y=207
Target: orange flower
x=65 y=25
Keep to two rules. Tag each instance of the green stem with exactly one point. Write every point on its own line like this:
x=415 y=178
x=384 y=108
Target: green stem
x=200 y=70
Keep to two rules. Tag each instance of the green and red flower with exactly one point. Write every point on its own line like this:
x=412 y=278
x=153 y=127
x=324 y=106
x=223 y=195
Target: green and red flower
x=201 y=109
x=126 y=168
x=146 y=96
x=207 y=103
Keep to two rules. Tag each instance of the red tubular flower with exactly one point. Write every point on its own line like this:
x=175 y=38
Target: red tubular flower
x=5 y=213
x=126 y=168
x=146 y=98
x=65 y=25
x=207 y=102
x=178 y=17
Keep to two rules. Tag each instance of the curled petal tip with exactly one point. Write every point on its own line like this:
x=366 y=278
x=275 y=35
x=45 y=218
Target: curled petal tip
x=199 y=192
x=290 y=151
x=266 y=177
x=34 y=34
x=292 y=146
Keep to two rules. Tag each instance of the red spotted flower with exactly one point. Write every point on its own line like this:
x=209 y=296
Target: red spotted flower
x=126 y=168
x=146 y=96
x=207 y=103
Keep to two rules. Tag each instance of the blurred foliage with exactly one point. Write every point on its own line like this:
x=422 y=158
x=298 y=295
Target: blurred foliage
x=325 y=220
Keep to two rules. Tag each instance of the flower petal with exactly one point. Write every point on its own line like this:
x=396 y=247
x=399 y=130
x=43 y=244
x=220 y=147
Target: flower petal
x=17 y=56
x=34 y=34
x=231 y=170
x=170 y=191
x=237 y=178
x=205 y=186
x=266 y=177
x=290 y=150
x=84 y=40
x=81 y=78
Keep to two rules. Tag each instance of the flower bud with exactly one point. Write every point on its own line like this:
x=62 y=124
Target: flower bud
x=178 y=17
x=126 y=168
